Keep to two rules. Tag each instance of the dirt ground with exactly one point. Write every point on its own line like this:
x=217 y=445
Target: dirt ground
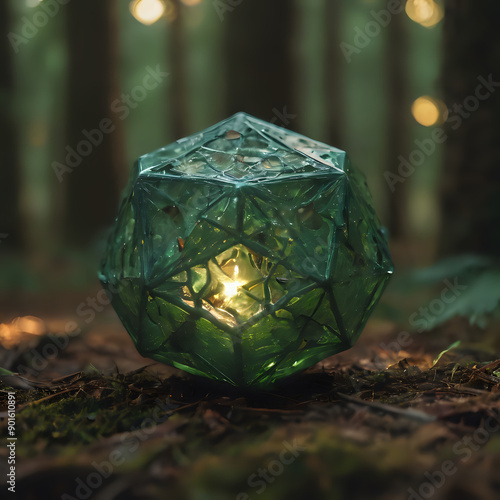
x=381 y=421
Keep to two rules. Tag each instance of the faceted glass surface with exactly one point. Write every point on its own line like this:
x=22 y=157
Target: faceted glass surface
x=245 y=253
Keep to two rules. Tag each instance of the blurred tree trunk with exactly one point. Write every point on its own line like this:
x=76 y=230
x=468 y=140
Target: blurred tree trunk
x=203 y=65
x=92 y=187
x=178 y=89
x=334 y=63
x=470 y=185
x=258 y=59
x=10 y=222
x=398 y=120
x=319 y=70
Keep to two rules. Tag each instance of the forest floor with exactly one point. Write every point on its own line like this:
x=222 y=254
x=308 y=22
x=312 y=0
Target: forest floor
x=380 y=421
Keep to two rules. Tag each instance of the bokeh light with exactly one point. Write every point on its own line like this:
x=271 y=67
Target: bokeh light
x=147 y=11
x=424 y=12
x=429 y=111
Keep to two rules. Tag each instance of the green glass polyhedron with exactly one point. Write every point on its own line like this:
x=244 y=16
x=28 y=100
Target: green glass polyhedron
x=245 y=253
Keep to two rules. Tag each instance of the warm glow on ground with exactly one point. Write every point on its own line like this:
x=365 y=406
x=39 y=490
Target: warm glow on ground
x=11 y=334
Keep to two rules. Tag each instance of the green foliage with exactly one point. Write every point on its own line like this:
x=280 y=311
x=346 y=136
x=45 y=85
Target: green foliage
x=479 y=296
x=440 y=355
